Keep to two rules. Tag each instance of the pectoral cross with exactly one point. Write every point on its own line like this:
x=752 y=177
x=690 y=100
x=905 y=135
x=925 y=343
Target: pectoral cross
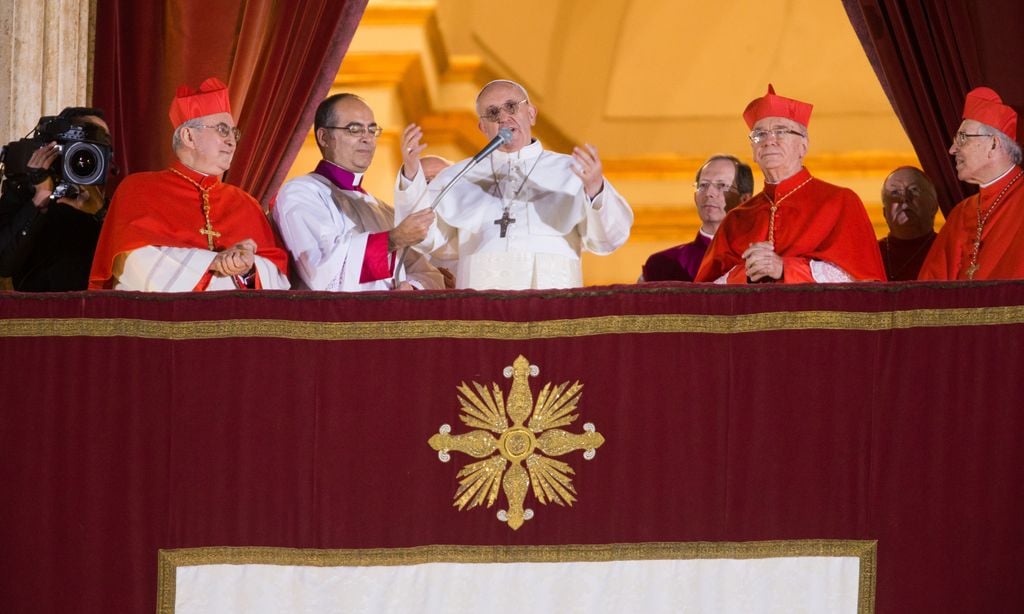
x=210 y=233
x=504 y=221
x=971 y=270
x=204 y=194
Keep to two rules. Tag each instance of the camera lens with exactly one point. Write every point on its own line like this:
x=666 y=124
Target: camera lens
x=84 y=164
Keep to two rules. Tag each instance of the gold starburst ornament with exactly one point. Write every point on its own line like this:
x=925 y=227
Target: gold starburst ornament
x=511 y=434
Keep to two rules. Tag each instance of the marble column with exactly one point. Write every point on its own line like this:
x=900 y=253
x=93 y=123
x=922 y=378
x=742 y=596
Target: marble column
x=46 y=58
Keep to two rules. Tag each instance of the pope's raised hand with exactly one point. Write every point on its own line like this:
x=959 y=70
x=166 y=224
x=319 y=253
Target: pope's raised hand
x=411 y=150
x=587 y=166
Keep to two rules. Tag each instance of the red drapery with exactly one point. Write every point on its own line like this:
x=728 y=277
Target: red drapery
x=279 y=59
x=132 y=423
x=928 y=55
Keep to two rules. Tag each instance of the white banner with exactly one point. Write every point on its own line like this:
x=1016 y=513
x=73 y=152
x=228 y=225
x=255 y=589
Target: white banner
x=783 y=584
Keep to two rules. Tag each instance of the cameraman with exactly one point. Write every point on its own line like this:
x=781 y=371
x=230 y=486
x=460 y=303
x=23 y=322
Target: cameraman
x=46 y=245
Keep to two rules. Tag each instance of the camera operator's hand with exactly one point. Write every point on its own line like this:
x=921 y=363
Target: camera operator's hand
x=236 y=260
x=89 y=200
x=41 y=160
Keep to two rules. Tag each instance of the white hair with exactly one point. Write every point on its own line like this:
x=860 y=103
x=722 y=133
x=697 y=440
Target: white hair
x=1011 y=146
x=176 y=141
x=501 y=82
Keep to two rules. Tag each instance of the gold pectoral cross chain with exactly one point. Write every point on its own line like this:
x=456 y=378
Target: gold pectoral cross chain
x=982 y=220
x=204 y=193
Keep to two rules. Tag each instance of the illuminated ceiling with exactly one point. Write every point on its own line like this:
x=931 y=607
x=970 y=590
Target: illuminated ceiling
x=657 y=85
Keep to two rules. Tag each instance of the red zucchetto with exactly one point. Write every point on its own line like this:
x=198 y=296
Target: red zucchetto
x=210 y=98
x=771 y=105
x=984 y=105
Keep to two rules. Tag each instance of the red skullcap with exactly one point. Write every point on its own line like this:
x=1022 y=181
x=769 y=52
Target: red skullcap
x=210 y=98
x=771 y=105
x=985 y=106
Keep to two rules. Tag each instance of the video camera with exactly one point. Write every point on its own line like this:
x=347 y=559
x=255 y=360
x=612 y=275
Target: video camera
x=84 y=159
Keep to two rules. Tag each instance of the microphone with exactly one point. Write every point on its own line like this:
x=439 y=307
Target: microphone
x=503 y=137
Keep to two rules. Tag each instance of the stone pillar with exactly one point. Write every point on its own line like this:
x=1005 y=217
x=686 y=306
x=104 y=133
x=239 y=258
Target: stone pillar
x=46 y=58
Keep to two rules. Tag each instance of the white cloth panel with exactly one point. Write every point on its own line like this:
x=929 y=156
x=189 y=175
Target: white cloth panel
x=788 y=585
x=178 y=269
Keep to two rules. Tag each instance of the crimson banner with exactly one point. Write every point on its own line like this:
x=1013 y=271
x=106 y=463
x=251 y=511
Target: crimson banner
x=656 y=413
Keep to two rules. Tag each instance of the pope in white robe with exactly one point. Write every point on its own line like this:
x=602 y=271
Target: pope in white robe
x=522 y=216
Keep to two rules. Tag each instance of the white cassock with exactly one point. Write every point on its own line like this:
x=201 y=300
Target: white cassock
x=327 y=230
x=554 y=219
x=155 y=268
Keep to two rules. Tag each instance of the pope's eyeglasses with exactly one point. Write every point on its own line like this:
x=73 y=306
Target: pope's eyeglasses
x=493 y=114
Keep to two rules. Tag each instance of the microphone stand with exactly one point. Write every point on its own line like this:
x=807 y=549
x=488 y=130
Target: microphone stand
x=506 y=136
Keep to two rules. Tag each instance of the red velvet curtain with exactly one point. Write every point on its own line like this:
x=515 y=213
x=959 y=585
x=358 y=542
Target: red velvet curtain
x=279 y=59
x=928 y=55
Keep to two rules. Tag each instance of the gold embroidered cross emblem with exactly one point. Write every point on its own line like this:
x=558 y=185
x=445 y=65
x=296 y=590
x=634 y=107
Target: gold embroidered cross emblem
x=533 y=437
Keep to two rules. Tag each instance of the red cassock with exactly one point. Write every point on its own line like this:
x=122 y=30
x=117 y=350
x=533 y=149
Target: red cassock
x=815 y=220
x=164 y=209
x=1002 y=239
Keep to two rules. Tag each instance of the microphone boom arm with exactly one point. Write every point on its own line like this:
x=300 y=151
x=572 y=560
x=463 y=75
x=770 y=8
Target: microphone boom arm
x=503 y=137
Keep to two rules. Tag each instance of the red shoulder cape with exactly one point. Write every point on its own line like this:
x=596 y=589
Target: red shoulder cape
x=819 y=221
x=163 y=209
x=1002 y=241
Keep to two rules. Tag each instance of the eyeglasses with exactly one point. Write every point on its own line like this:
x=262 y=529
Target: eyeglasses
x=961 y=137
x=759 y=135
x=357 y=129
x=493 y=114
x=721 y=186
x=224 y=130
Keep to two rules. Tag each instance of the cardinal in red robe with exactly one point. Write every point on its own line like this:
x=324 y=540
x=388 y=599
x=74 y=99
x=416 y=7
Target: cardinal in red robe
x=983 y=238
x=182 y=229
x=798 y=229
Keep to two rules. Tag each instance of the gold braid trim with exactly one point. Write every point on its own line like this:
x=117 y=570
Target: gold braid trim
x=489 y=329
